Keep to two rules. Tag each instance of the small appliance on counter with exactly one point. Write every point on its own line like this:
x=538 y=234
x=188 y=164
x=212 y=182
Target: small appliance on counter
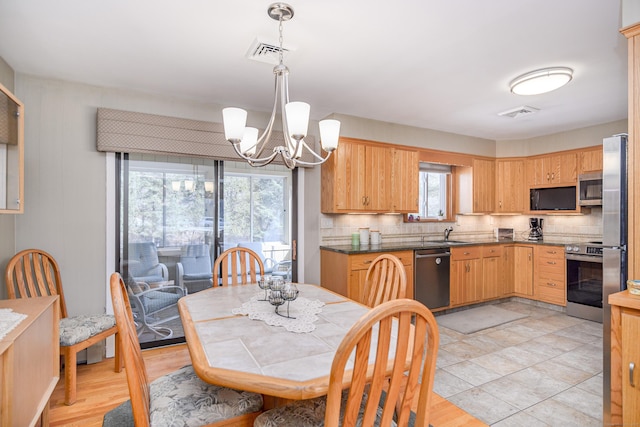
x=504 y=234
x=535 y=229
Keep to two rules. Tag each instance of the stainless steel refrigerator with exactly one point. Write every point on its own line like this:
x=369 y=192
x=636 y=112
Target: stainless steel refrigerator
x=614 y=240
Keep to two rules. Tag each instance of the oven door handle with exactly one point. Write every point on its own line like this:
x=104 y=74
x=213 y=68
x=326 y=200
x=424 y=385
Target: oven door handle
x=586 y=258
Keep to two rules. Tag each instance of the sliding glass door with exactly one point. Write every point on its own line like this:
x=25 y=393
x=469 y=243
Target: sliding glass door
x=176 y=215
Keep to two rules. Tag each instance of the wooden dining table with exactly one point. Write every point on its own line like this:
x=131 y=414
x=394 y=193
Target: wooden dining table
x=235 y=351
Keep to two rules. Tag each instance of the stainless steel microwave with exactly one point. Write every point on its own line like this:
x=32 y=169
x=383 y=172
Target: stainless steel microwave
x=590 y=189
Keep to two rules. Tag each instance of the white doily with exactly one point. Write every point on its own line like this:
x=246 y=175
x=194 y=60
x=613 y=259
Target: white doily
x=9 y=320
x=304 y=310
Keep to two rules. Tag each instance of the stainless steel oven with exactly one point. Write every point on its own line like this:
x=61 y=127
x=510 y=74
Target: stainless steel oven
x=585 y=280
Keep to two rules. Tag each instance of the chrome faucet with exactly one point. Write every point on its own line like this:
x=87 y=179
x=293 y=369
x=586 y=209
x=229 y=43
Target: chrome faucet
x=447 y=231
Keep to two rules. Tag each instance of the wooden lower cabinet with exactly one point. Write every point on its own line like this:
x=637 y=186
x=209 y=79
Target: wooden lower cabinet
x=345 y=274
x=523 y=270
x=625 y=359
x=466 y=275
x=550 y=275
x=491 y=272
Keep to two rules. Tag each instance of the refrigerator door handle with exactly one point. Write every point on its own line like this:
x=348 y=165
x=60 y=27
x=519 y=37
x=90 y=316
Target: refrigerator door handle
x=632 y=366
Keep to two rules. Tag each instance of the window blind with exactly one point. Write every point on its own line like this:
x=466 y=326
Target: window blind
x=133 y=132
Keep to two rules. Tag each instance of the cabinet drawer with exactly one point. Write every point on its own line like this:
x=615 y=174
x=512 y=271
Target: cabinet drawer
x=492 y=251
x=554 y=281
x=551 y=294
x=551 y=265
x=363 y=261
x=470 y=252
x=551 y=251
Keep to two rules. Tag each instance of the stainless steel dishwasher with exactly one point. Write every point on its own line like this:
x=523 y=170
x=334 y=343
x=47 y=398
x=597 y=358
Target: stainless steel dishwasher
x=431 y=277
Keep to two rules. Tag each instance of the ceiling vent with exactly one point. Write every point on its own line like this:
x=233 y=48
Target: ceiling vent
x=525 y=110
x=269 y=53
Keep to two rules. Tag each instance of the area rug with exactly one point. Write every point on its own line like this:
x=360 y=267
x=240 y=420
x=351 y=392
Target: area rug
x=477 y=319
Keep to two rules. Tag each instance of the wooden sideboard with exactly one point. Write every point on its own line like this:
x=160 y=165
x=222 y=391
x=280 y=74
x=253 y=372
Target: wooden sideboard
x=29 y=362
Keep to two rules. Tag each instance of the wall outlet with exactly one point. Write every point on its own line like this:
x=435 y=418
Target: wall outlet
x=326 y=222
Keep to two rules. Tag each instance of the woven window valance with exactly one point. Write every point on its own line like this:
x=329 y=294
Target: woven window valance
x=131 y=132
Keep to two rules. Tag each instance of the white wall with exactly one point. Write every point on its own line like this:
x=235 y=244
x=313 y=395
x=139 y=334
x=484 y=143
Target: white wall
x=577 y=138
x=65 y=188
x=356 y=127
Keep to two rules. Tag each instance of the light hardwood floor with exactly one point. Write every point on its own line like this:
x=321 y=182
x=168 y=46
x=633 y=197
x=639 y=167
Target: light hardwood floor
x=100 y=389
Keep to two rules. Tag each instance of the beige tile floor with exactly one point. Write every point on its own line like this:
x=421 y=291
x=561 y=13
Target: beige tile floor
x=542 y=370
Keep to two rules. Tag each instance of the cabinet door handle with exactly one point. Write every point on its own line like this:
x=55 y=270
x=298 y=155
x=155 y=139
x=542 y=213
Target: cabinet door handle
x=467 y=253
x=551 y=284
x=368 y=261
x=364 y=200
x=551 y=262
x=632 y=366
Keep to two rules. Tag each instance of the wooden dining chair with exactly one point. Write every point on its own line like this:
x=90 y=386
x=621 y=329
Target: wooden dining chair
x=179 y=398
x=384 y=338
x=34 y=273
x=386 y=280
x=237 y=265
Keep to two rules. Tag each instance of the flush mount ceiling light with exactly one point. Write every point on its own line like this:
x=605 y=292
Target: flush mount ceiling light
x=295 y=119
x=541 y=81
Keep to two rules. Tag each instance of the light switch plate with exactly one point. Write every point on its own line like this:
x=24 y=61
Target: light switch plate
x=326 y=222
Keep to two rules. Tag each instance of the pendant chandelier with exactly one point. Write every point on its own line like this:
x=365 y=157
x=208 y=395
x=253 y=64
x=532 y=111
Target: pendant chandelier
x=295 y=119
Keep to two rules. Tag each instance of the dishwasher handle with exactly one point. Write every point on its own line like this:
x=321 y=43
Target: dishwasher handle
x=433 y=255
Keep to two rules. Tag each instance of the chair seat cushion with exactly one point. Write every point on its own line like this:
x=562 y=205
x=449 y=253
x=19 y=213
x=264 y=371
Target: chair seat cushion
x=198 y=276
x=182 y=399
x=80 y=328
x=157 y=300
x=181 y=395
x=155 y=278
x=310 y=413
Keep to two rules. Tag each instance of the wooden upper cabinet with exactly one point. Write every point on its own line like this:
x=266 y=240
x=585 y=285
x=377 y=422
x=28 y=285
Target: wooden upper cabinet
x=591 y=160
x=360 y=175
x=484 y=172
x=510 y=189
x=405 y=181
x=553 y=169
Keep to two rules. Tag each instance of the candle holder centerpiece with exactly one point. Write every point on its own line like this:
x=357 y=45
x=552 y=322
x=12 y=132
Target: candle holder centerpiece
x=265 y=283
x=281 y=293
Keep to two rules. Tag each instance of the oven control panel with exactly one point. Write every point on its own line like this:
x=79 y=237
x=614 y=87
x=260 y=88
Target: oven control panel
x=584 y=249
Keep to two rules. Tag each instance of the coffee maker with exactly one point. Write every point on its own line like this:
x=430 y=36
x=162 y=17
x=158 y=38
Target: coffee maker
x=535 y=229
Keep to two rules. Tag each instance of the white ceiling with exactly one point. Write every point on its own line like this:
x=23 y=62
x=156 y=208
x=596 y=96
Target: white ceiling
x=438 y=64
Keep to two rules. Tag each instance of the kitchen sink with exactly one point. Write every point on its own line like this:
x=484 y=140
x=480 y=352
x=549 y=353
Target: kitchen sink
x=444 y=242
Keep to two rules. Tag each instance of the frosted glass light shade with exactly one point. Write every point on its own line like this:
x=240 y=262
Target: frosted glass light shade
x=541 y=81
x=297 y=118
x=329 y=134
x=248 y=142
x=208 y=186
x=188 y=185
x=234 y=120
x=175 y=185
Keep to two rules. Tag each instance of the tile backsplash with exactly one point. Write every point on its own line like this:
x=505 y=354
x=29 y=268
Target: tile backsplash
x=337 y=229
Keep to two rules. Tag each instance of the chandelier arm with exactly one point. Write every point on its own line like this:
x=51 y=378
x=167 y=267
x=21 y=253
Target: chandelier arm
x=316 y=155
x=266 y=135
x=254 y=161
x=321 y=161
x=284 y=100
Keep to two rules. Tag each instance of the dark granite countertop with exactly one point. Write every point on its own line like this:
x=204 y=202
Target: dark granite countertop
x=411 y=246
